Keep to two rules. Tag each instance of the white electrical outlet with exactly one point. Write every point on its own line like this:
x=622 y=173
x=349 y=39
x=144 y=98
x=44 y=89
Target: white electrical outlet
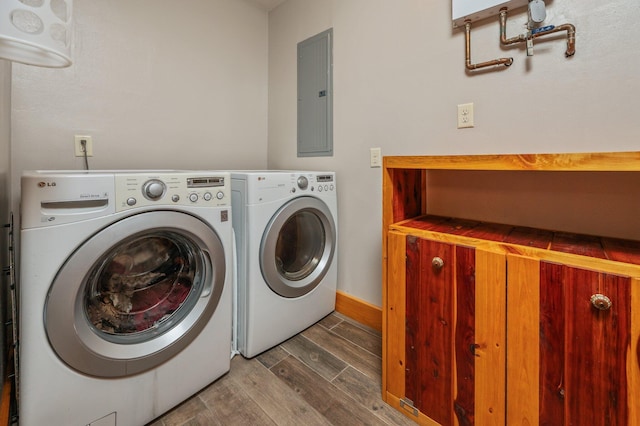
x=79 y=148
x=375 y=157
x=465 y=115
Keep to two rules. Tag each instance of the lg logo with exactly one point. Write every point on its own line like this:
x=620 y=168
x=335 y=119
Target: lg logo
x=46 y=184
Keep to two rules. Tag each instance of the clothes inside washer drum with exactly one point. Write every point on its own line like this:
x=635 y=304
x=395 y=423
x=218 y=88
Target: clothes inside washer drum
x=142 y=285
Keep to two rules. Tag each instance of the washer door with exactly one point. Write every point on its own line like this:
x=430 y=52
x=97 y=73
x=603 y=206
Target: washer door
x=135 y=294
x=297 y=247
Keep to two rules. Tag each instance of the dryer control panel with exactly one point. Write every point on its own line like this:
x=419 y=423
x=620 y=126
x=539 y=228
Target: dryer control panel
x=206 y=189
x=301 y=182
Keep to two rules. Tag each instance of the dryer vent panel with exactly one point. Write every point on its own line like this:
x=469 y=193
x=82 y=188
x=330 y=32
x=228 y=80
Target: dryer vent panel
x=315 y=96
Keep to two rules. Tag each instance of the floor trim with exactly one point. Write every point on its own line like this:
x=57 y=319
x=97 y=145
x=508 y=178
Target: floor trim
x=359 y=310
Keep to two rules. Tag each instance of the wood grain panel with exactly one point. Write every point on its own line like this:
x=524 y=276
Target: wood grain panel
x=393 y=335
x=434 y=340
x=490 y=337
x=338 y=407
x=530 y=237
x=282 y=404
x=407 y=193
x=588 y=385
x=365 y=338
x=347 y=351
x=633 y=358
x=523 y=331
x=465 y=346
x=414 y=313
x=584 y=245
x=366 y=392
x=622 y=250
x=490 y=231
x=228 y=396
x=598 y=161
x=359 y=310
x=315 y=357
x=552 y=344
x=597 y=342
x=455 y=226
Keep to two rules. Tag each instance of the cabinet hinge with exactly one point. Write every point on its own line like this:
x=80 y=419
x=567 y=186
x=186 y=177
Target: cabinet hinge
x=407 y=405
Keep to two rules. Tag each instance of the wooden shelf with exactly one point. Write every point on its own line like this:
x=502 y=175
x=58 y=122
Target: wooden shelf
x=591 y=162
x=526 y=252
x=404 y=177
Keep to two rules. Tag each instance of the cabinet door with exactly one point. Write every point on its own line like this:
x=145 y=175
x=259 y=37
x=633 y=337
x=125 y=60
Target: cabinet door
x=455 y=330
x=571 y=360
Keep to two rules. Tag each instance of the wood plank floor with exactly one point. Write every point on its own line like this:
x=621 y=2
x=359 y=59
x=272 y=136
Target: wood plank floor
x=330 y=374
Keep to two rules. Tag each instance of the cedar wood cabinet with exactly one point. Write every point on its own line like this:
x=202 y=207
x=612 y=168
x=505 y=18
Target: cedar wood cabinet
x=491 y=324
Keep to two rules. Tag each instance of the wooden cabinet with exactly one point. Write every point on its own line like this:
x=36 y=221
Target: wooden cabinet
x=574 y=344
x=491 y=324
x=448 y=364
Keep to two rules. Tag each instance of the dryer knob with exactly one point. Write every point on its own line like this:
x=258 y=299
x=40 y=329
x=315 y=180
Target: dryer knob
x=303 y=182
x=154 y=189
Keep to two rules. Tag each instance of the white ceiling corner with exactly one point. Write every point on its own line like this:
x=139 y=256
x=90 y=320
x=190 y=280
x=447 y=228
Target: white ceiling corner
x=268 y=4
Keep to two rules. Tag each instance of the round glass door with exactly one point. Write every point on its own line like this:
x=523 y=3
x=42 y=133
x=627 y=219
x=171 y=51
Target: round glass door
x=144 y=286
x=297 y=247
x=119 y=308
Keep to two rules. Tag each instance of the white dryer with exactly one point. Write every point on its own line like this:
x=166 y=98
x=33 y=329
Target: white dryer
x=286 y=226
x=125 y=293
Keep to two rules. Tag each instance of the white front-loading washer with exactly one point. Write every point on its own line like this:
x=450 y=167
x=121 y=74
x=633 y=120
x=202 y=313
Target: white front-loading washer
x=286 y=226
x=125 y=294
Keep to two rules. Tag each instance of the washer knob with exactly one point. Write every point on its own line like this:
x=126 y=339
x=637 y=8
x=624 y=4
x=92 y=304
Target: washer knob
x=175 y=198
x=131 y=201
x=154 y=189
x=220 y=195
x=193 y=197
x=207 y=196
x=303 y=182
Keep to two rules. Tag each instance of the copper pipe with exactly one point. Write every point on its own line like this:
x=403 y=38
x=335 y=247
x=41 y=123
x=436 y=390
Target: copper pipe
x=467 y=43
x=569 y=28
x=571 y=37
x=503 y=30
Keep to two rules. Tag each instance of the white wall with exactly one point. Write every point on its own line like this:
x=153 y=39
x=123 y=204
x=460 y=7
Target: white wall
x=156 y=83
x=5 y=171
x=162 y=85
x=399 y=74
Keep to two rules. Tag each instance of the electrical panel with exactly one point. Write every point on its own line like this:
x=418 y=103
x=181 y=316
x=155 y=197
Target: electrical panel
x=474 y=10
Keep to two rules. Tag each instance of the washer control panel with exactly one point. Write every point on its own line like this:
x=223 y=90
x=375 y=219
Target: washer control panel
x=138 y=189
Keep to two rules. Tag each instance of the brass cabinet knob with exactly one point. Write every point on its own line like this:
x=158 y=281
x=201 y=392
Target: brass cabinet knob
x=437 y=262
x=601 y=302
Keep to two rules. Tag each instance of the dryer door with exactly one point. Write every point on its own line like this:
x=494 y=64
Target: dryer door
x=135 y=294
x=298 y=246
